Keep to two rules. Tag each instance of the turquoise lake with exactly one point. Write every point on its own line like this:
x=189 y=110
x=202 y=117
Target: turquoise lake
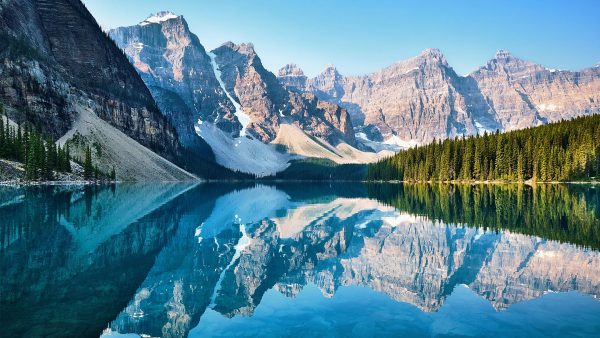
x=300 y=260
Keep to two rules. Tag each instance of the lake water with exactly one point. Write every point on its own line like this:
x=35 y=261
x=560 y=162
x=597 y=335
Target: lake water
x=300 y=260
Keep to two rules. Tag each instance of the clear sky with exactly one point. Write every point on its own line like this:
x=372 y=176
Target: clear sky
x=360 y=36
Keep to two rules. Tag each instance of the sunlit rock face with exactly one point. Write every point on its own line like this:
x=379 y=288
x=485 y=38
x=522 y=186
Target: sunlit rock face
x=422 y=98
x=525 y=94
x=269 y=104
x=178 y=70
x=54 y=57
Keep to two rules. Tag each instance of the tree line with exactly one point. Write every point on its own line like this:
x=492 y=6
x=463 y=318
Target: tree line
x=566 y=150
x=92 y=172
x=41 y=156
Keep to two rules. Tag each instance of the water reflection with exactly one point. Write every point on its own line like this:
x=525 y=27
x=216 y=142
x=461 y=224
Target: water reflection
x=301 y=260
x=70 y=257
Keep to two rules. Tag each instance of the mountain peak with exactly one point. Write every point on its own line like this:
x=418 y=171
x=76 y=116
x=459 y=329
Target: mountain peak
x=330 y=72
x=503 y=54
x=330 y=69
x=159 y=17
x=432 y=52
x=290 y=69
x=243 y=48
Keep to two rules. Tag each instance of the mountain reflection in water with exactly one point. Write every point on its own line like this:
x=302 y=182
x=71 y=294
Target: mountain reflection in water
x=300 y=260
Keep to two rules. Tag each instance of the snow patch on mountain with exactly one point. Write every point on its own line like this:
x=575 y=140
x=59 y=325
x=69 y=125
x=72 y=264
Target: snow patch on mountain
x=481 y=129
x=242 y=117
x=401 y=144
x=244 y=154
x=159 y=18
x=378 y=147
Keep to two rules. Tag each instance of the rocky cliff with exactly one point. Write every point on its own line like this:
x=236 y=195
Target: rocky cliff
x=175 y=66
x=228 y=87
x=423 y=98
x=269 y=104
x=55 y=57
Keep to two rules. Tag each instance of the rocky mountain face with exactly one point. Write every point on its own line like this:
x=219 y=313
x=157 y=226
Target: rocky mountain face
x=177 y=69
x=269 y=104
x=423 y=98
x=523 y=93
x=55 y=57
x=292 y=76
x=228 y=87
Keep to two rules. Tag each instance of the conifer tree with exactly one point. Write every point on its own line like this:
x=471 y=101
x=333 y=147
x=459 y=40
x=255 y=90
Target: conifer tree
x=559 y=151
x=88 y=168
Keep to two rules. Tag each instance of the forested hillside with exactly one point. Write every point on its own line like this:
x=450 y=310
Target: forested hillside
x=562 y=151
x=41 y=156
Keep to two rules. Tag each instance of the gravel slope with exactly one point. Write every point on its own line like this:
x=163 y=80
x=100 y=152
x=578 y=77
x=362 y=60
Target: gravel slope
x=111 y=147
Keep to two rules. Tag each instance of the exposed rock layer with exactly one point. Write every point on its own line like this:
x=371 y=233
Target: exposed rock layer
x=188 y=88
x=423 y=98
x=54 y=56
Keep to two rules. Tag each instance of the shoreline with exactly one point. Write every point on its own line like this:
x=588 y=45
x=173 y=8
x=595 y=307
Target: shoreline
x=54 y=183
x=77 y=182
x=528 y=182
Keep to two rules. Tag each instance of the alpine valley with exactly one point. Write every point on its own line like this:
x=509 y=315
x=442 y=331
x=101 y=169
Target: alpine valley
x=152 y=102
x=157 y=182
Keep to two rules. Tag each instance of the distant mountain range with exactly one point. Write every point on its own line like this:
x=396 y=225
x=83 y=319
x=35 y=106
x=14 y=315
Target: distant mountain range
x=207 y=111
x=419 y=99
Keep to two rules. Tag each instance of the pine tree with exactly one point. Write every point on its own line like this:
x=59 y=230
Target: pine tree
x=520 y=169
x=31 y=165
x=88 y=168
x=559 y=151
x=67 y=159
x=3 y=140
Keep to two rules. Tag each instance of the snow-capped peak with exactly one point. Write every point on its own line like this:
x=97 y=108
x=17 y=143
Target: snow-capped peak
x=159 y=18
x=503 y=54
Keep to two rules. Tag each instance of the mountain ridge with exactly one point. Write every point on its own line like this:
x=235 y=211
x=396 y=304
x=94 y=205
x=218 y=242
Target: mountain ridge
x=227 y=88
x=466 y=105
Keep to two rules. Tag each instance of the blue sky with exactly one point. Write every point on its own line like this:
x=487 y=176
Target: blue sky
x=362 y=36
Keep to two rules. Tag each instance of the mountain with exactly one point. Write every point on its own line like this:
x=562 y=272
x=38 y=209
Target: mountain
x=179 y=73
x=59 y=70
x=523 y=93
x=422 y=98
x=230 y=100
x=269 y=104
